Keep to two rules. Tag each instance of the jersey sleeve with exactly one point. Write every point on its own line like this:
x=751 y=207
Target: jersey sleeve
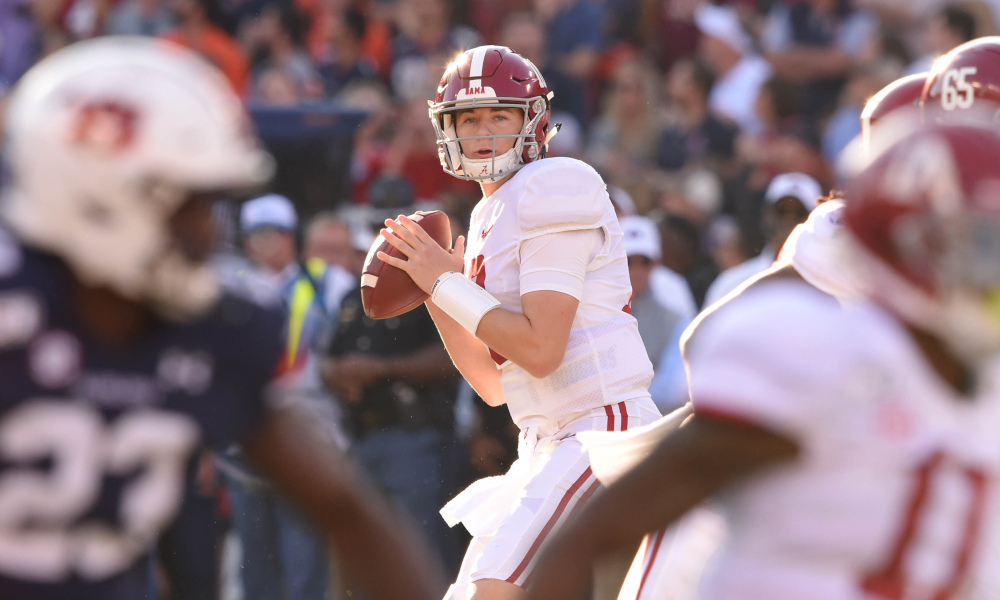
x=558 y=261
x=566 y=195
x=769 y=357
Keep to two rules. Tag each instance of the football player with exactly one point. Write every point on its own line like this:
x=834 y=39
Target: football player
x=854 y=443
x=539 y=320
x=119 y=355
x=962 y=86
x=817 y=252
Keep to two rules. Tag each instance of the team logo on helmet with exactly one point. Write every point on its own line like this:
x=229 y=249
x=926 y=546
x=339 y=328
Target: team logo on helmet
x=108 y=127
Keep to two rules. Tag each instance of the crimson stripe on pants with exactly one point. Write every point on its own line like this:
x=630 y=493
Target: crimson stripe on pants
x=549 y=525
x=610 y=412
x=624 y=414
x=583 y=498
x=655 y=542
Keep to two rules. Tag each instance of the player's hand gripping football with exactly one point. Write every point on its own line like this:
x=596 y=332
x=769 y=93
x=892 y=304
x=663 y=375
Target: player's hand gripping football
x=426 y=259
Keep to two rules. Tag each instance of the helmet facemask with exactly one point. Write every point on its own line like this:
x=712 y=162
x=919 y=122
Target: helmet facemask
x=489 y=170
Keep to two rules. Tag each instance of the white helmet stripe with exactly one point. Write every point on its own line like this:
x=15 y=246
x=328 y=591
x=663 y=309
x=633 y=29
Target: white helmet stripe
x=476 y=67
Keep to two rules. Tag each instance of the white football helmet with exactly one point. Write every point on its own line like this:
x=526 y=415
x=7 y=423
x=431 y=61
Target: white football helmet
x=106 y=139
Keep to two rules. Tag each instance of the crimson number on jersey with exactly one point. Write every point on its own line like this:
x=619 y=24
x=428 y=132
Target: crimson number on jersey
x=920 y=535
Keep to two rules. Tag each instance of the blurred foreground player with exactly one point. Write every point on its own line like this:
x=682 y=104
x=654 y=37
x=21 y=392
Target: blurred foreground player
x=540 y=319
x=856 y=445
x=118 y=353
x=818 y=252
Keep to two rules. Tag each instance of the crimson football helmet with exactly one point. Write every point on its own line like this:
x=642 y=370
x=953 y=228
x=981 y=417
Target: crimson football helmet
x=926 y=216
x=904 y=93
x=964 y=84
x=493 y=76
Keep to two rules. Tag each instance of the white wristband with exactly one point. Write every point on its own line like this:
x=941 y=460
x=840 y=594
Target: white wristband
x=461 y=299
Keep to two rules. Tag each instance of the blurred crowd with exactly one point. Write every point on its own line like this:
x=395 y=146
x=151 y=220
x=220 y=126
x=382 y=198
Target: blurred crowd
x=715 y=124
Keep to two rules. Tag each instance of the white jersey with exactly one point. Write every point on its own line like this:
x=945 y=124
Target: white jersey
x=605 y=361
x=820 y=251
x=893 y=491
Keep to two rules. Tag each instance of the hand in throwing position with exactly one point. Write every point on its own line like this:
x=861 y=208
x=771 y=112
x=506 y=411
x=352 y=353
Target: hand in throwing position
x=425 y=260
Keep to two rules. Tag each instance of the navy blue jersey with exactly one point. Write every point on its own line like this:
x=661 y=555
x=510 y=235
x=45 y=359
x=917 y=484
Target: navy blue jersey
x=94 y=438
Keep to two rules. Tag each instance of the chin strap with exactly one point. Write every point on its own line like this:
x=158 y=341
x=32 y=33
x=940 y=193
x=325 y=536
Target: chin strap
x=552 y=133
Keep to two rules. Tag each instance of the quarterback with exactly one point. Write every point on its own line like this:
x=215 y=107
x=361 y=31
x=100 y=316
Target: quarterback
x=119 y=354
x=536 y=315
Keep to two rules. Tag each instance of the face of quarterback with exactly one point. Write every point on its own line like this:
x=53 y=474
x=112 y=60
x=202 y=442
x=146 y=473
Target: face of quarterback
x=485 y=121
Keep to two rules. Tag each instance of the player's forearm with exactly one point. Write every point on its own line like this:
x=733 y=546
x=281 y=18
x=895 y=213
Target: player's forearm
x=688 y=466
x=370 y=541
x=515 y=337
x=470 y=356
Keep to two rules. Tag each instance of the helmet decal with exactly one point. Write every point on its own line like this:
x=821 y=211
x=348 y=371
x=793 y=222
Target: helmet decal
x=107 y=127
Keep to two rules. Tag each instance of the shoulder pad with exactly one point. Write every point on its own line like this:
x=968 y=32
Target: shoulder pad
x=563 y=194
x=819 y=249
x=790 y=314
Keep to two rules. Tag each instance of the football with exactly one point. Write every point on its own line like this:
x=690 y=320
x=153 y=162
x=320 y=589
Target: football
x=387 y=291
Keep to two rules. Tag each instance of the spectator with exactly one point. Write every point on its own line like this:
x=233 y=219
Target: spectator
x=400 y=143
x=622 y=201
x=659 y=327
x=524 y=33
x=20 y=34
x=139 y=17
x=397 y=385
x=694 y=134
x=668 y=286
x=669 y=31
x=845 y=124
x=198 y=29
x=788 y=200
x=329 y=239
x=489 y=17
x=623 y=139
x=724 y=243
x=426 y=42
x=815 y=43
x=63 y=22
x=695 y=194
x=277 y=41
x=685 y=254
x=574 y=40
x=275 y=87
x=727 y=50
x=782 y=145
x=343 y=60
x=284 y=556
x=949 y=27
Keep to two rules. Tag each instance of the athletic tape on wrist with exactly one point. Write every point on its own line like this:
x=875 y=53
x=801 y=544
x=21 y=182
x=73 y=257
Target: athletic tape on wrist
x=461 y=299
